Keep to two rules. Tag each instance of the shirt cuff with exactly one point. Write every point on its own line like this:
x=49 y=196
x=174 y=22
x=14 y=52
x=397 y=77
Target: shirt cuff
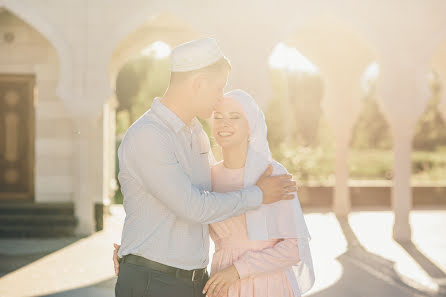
x=242 y=268
x=253 y=197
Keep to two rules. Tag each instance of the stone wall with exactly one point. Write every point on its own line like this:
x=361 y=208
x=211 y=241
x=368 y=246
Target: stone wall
x=30 y=53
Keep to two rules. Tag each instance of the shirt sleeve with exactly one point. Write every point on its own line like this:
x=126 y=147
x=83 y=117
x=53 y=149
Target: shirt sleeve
x=211 y=157
x=282 y=255
x=149 y=156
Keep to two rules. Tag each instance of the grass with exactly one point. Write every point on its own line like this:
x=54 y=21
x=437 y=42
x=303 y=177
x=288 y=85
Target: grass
x=317 y=165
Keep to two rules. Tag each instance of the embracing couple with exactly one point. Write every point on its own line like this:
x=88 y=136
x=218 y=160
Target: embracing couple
x=176 y=195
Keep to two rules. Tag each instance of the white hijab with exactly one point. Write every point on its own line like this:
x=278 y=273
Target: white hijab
x=283 y=219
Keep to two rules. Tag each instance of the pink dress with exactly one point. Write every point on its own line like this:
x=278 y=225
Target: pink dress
x=260 y=264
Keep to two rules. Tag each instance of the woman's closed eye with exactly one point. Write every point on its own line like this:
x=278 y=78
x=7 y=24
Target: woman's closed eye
x=234 y=115
x=231 y=116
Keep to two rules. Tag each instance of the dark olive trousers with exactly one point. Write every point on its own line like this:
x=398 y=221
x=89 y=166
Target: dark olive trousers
x=140 y=281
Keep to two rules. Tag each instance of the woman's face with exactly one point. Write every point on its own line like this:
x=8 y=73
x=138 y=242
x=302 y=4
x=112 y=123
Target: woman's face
x=230 y=126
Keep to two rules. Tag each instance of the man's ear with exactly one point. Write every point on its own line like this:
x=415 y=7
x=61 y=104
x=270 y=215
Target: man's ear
x=197 y=82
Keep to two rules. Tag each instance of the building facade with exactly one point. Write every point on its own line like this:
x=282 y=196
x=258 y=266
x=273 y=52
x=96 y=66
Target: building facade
x=59 y=61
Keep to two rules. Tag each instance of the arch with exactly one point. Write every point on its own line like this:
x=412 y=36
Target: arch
x=163 y=27
x=321 y=34
x=340 y=52
x=31 y=17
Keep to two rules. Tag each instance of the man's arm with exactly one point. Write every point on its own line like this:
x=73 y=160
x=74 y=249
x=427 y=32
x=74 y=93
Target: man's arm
x=149 y=155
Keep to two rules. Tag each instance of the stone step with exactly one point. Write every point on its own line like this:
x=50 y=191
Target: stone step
x=37 y=220
x=18 y=220
x=35 y=231
x=10 y=208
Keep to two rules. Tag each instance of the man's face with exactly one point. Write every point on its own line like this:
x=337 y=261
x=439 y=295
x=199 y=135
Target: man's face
x=209 y=93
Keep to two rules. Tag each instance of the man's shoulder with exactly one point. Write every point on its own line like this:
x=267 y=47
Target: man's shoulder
x=147 y=127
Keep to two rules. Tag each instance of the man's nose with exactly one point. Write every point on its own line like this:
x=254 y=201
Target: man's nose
x=216 y=103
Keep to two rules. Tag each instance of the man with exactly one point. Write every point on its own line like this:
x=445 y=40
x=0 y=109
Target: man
x=165 y=178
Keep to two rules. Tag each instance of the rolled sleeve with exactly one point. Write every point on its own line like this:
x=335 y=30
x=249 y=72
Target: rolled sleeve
x=254 y=196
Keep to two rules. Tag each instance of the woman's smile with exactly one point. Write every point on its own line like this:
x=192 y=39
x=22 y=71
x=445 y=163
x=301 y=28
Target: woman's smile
x=225 y=134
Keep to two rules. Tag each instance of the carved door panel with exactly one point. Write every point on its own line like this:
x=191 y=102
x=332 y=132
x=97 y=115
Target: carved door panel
x=17 y=137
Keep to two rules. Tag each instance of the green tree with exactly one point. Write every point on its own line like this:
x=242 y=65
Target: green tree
x=305 y=95
x=371 y=129
x=274 y=113
x=430 y=131
x=138 y=83
x=303 y=91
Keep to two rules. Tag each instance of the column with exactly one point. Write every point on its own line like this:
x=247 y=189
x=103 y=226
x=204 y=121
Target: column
x=403 y=90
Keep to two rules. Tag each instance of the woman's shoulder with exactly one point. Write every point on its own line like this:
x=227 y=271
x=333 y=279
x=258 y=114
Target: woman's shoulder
x=278 y=168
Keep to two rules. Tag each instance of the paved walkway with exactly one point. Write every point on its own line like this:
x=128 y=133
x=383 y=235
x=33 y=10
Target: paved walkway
x=352 y=257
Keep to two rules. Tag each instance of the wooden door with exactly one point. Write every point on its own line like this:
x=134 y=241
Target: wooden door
x=17 y=137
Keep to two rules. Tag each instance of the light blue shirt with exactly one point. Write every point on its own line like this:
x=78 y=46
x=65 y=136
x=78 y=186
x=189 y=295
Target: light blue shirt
x=166 y=183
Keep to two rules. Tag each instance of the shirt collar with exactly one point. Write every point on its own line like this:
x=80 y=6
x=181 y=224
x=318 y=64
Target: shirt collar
x=171 y=119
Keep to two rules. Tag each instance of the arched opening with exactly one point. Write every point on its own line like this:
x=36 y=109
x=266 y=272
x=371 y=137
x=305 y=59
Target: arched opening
x=341 y=56
x=298 y=132
x=139 y=81
x=372 y=139
x=432 y=124
x=371 y=142
x=429 y=140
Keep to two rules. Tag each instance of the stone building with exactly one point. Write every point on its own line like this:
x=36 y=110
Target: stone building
x=59 y=60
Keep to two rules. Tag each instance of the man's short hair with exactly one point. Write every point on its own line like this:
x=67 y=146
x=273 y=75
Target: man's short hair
x=222 y=66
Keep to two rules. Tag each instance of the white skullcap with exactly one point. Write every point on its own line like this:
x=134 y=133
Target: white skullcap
x=195 y=54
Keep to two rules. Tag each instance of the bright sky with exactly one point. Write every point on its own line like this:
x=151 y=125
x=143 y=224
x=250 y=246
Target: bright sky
x=158 y=49
x=370 y=76
x=285 y=57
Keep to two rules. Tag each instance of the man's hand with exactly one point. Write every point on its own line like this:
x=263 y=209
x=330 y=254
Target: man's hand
x=276 y=188
x=218 y=285
x=116 y=258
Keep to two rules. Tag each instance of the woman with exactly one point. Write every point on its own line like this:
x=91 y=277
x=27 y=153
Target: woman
x=254 y=252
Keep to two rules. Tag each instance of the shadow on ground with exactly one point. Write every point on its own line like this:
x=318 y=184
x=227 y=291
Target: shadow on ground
x=17 y=252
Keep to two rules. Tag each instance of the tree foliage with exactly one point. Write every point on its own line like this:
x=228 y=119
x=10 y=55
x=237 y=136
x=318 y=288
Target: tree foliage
x=430 y=131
